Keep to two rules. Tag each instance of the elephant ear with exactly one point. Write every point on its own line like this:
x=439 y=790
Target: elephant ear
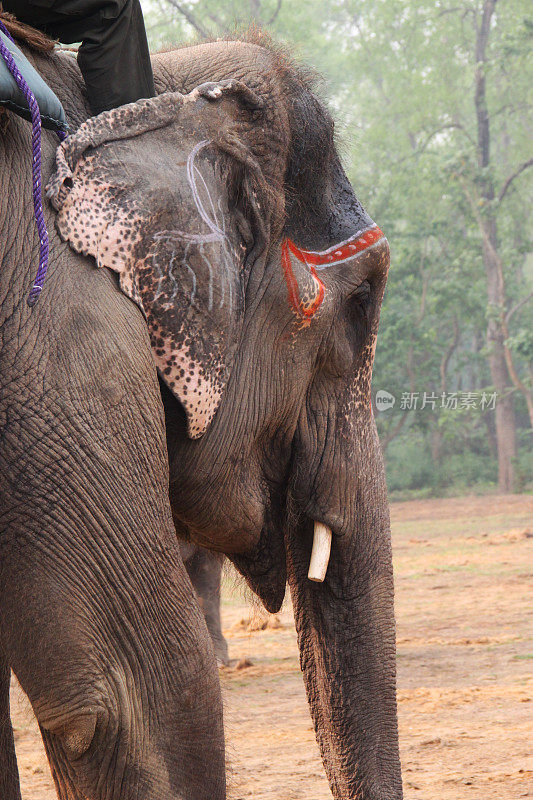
x=160 y=191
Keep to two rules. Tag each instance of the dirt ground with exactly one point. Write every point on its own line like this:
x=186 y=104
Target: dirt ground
x=463 y=593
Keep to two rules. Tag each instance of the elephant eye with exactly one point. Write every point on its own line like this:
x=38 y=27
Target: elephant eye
x=349 y=330
x=362 y=293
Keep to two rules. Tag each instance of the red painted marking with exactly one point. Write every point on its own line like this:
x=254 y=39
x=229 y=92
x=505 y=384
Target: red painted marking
x=312 y=258
x=292 y=284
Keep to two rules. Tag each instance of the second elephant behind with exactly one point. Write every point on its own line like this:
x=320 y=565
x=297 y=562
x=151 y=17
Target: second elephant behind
x=205 y=571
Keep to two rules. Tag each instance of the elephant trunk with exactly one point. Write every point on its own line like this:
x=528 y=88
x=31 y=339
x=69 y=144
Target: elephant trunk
x=346 y=637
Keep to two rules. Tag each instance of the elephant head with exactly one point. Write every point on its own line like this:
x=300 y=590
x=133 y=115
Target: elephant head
x=229 y=219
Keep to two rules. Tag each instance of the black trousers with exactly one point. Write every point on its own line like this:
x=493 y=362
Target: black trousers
x=113 y=57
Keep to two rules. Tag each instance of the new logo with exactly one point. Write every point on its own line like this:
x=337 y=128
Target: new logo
x=384 y=400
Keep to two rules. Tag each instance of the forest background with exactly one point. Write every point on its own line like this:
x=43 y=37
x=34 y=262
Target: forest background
x=432 y=103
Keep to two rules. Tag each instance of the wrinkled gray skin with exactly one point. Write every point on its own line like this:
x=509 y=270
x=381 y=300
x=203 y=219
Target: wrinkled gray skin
x=98 y=618
x=205 y=571
x=97 y=615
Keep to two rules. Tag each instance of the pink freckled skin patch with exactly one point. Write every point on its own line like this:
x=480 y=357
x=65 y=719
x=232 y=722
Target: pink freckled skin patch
x=171 y=239
x=198 y=392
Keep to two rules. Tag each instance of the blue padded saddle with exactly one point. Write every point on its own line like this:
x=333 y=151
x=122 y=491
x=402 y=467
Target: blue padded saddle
x=52 y=112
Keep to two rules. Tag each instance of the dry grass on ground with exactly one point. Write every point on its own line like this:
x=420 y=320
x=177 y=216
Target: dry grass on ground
x=463 y=593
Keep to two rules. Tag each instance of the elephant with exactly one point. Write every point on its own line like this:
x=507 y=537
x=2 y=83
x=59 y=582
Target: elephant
x=205 y=572
x=198 y=366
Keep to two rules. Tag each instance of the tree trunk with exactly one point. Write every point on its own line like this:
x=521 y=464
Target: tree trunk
x=505 y=417
x=504 y=412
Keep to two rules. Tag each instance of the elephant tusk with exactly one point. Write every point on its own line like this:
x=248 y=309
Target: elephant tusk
x=318 y=564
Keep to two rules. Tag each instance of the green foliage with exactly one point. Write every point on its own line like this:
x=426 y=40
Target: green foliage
x=524 y=461
x=408 y=463
x=522 y=343
x=399 y=76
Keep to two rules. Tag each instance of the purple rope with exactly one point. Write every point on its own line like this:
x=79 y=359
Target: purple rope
x=36 y=289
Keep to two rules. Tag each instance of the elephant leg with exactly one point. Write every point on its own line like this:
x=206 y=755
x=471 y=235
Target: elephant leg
x=9 y=776
x=205 y=572
x=103 y=631
x=98 y=619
